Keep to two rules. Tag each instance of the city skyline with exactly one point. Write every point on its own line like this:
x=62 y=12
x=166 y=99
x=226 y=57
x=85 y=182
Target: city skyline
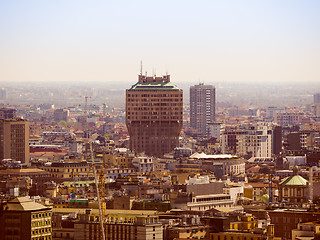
x=247 y=41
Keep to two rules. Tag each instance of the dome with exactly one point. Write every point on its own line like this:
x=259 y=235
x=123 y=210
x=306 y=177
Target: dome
x=295 y=180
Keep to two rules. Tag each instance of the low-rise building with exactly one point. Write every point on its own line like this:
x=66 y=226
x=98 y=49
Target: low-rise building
x=307 y=230
x=124 y=224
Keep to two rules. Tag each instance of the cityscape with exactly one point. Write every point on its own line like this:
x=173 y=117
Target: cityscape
x=221 y=143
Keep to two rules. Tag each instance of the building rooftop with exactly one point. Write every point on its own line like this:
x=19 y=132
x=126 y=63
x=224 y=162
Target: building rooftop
x=217 y=156
x=22 y=171
x=296 y=180
x=108 y=211
x=154 y=86
x=24 y=204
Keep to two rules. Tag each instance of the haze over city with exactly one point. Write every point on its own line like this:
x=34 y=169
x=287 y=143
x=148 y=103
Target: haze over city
x=202 y=41
x=159 y=120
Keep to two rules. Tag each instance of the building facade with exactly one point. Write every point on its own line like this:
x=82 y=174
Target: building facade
x=202 y=107
x=259 y=140
x=154 y=115
x=60 y=115
x=124 y=224
x=294 y=189
x=316 y=98
x=22 y=218
x=14 y=140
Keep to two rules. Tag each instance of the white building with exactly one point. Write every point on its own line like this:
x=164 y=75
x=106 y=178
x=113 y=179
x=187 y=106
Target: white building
x=221 y=164
x=143 y=164
x=215 y=130
x=206 y=202
x=271 y=112
x=256 y=141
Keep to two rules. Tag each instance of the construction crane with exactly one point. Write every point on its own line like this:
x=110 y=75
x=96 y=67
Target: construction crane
x=270 y=188
x=100 y=187
x=85 y=103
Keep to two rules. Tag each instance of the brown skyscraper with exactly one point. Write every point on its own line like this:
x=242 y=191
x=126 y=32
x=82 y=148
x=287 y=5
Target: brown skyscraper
x=14 y=137
x=154 y=115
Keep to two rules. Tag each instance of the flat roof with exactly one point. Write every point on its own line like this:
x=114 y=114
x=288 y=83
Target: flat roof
x=24 y=204
x=154 y=85
x=108 y=211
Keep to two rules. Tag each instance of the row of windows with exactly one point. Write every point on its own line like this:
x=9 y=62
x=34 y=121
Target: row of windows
x=40 y=223
x=155 y=117
x=155 y=100
x=153 y=104
x=234 y=238
x=211 y=199
x=41 y=215
x=155 y=95
x=41 y=231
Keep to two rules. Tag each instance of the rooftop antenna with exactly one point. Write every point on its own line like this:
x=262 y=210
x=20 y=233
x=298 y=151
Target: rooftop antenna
x=141 y=67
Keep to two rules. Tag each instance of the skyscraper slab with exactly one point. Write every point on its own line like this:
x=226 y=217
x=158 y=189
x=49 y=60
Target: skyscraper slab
x=154 y=115
x=202 y=107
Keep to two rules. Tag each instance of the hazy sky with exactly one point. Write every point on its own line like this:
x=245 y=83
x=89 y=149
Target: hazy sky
x=207 y=41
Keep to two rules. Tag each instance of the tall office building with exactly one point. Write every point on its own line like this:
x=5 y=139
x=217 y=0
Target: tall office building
x=202 y=107
x=14 y=136
x=154 y=115
x=3 y=94
x=316 y=98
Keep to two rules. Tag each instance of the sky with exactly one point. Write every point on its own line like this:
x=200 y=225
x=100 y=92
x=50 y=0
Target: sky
x=194 y=41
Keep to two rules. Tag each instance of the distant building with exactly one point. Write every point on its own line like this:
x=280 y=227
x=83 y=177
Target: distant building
x=302 y=140
x=7 y=113
x=288 y=119
x=307 y=230
x=154 y=111
x=22 y=218
x=14 y=140
x=215 y=130
x=315 y=109
x=123 y=224
x=221 y=164
x=286 y=220
x=316 y=98
x=3 y=94
x=189 y=227
x=260 y=140
x=202 y=107
x=271 y=112
x=182 y=152
x=247 y=228
x=62 y=171
x=60 y=115
x=143 y=164
x=293 y=189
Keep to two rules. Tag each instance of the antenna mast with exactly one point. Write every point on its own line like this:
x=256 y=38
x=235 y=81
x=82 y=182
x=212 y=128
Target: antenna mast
x=141 y=67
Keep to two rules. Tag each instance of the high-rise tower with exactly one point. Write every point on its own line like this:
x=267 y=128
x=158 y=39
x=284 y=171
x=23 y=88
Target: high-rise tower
x=14 y=136
x=154 y=115
x=202 y=107
x=316 y=98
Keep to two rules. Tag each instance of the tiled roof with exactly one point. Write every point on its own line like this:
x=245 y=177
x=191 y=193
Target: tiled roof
x=296 y=180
